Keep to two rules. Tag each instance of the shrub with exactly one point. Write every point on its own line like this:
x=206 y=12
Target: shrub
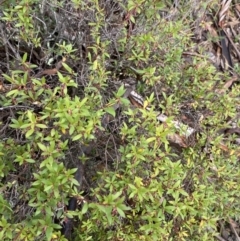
x=69 y=68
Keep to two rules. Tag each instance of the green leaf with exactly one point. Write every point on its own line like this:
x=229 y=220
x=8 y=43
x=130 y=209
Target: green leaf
x=48 y=233
x=84 y=100
x=29 y=133
x=12 y=92
x=8 y=78
x=121 y=213
x=75 y=182
x=18 y=7
x=24 y=126
x=111 y=111
x=77 y=137
x=121 y=91
x=84 y=208
x=24 y=58
x=42 y=147
x=61 y=78
x=30 y=160
x=41 y=126
x=150 y=139
x=69 y=70
x=108 y=211
x=47 y=188
x=125 y=101
x=71 y=130
x=116 y=195
x=95 y=65
x=19 y=25
x=31 y=116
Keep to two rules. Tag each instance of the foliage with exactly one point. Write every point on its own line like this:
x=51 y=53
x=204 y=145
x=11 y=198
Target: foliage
x=65 y=62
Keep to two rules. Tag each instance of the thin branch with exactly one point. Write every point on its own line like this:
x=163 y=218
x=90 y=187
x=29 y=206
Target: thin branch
x=234 y=230
x=5 y=45
x=220 y=238
x=16 y=107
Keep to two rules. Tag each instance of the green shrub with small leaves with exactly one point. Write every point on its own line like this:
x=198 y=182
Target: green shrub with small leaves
x=69 y=68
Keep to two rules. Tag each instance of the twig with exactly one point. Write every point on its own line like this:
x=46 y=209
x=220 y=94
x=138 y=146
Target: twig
x=234 y=230
x=6 y=42
x=16 y=106
x=5 y=45
x=217 y=235
x=194 y=54
x=220 y=238
x=232 y=43
x=3 y=1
